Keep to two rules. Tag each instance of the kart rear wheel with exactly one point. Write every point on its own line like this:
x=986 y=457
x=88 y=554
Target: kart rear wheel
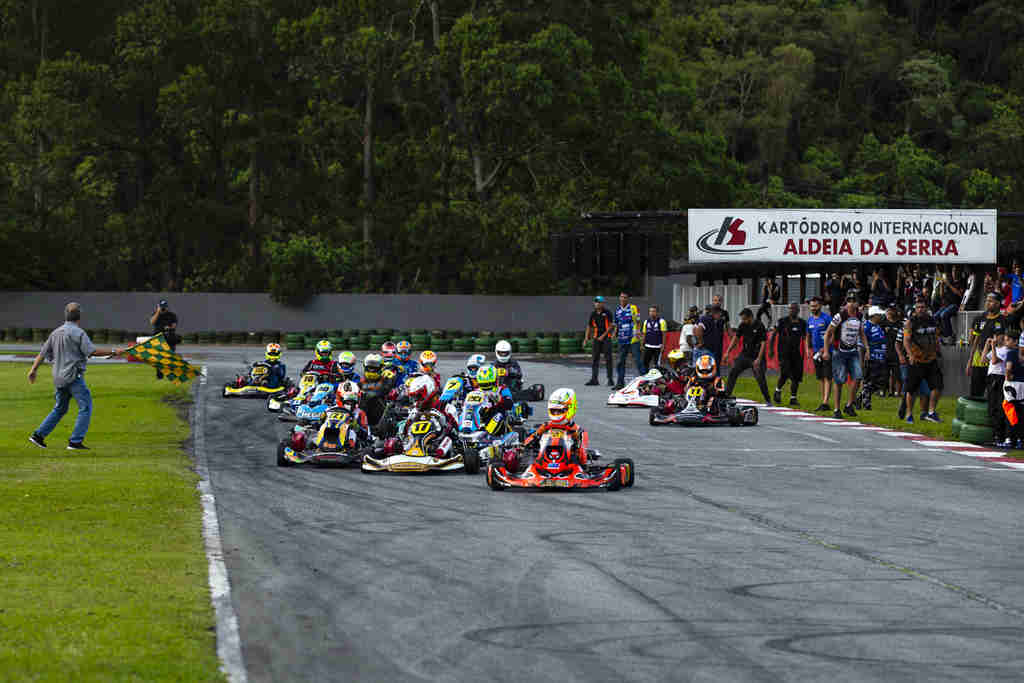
x=492 y=481
x=753 y=410
x=281 y=460
x=471 y=461
x=627 y=477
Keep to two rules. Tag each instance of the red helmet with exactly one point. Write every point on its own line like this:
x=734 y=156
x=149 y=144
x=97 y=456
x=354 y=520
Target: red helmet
x=423 y=390
x=347 y=395
x=387 y=349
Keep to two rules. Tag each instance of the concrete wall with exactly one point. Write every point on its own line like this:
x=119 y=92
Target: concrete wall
x=251 y=312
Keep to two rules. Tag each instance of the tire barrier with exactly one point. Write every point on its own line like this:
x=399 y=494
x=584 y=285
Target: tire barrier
x=972 y=423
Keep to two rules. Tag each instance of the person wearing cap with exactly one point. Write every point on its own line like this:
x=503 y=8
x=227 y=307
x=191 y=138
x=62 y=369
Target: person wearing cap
x=876 y=373
x=892 y=324
x=165 y=322
x=921 y=338
x=688 y=336
x=69 y=348
x=990 y=324
x=844 y=340
x=817 y=325
x=790 y=333
x=600 y=328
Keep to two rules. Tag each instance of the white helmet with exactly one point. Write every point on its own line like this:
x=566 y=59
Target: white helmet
x=474 y=362
x=503 y=351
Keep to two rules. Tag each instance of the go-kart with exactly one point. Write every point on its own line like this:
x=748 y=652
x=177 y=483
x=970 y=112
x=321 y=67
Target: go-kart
x=253 y=384
x=308 y=384
x=455 y=391
x=534 y=392
x=694 y=410
x=552 y=466
x=426 y=448
x=333 y=442
x=485 y=431
x=641 y=392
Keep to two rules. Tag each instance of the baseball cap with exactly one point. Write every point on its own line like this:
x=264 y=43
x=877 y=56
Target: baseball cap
x=852 y=295
x=992 y=295
x=692 y=309
x=876 y=310
x=163 y=302
x=599 y=298
x=814 y=298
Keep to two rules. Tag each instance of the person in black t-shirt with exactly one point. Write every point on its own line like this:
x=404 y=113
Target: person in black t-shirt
x=599 y=328
x=166 y=322
x=790 y=333
x=893 y=325
x=755 y=341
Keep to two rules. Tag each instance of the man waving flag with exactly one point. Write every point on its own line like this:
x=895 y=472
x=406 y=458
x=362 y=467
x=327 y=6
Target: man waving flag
x=157 y=352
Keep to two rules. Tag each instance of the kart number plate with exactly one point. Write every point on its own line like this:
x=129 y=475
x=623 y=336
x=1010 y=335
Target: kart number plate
x=421 y=427
x=474 y=398
x=555 y=483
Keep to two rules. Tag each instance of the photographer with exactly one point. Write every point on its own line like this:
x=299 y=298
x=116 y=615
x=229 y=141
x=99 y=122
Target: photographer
x=165 y=322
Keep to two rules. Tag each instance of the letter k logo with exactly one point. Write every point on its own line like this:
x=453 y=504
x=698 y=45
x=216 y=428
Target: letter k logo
x=730 y=225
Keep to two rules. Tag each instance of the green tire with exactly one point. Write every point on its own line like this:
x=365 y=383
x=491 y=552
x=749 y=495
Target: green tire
x=957 y=426
x=976 y=434
x=975 y=413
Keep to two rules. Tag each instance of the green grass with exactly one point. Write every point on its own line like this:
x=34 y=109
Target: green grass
x=883 y=411
x=102 y=570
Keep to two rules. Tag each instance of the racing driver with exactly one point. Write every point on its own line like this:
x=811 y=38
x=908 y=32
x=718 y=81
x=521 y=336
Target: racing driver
x=347 y=398
x=561 y=415
x=403 y=358
x=276 y=376
x=345 y=368
x=509 y=372
x=705 y=376
x=322 y=364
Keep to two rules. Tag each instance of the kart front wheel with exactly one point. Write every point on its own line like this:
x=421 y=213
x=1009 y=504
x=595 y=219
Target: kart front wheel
x=281 y=460
x=753 y=412
x=492 y=480
x=625 y=471
x=650 y=418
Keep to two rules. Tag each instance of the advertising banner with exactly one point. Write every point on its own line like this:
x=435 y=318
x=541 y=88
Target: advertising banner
x=854 y=235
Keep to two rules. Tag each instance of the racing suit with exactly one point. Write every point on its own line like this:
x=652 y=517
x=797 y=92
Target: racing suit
x=501 y=399
x=338 y=376
x=579 y=436
x=510 y=374
x=713 y=388
x=276 y=375
x=375 y=392
x=407 y=367
x=322 y=368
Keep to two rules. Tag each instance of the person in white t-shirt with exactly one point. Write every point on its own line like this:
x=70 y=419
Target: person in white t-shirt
x=996 y=356
x=687 y=335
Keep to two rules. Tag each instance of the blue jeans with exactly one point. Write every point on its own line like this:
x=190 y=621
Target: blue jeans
x=625 y=350
x=83 y=398
x=846 y=363
x=945 y=316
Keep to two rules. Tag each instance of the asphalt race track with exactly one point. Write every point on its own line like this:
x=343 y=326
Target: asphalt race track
x=786 y=551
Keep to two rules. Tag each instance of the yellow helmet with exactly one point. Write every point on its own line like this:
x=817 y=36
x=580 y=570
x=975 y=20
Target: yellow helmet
x=562 y=406
x=273 y=351
x=675 y=358
x=428 y=359
x=705 y=367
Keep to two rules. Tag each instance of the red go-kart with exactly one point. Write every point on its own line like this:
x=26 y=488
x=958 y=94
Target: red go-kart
x=553 y=466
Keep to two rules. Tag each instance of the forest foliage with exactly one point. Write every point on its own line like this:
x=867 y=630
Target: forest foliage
x=434 y=145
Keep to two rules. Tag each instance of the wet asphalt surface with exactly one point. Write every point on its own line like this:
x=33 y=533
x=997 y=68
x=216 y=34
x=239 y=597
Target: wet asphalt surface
x=785 y=551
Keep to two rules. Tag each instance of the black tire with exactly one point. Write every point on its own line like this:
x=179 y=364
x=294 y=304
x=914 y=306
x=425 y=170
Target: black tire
x=492 y=481
x=650 y=418
x=616 y=482
x=751 y=424
x=471 y=461
x=975 y=412
x=281 y=460
x=627 y=482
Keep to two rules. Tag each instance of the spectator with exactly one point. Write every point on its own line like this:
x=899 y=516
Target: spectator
x=1013 y=391
x=921 y=343
x=716 y=300
x=969 y=288
x=893 y=325
x=833 y=294
x=876 y=376
x=817 y=324
x=771 y=294
x=688 y=336
x=989 y=324
x=710 y=331
x=627 y=323
x=996 y=356
x=945 y=301
x=654 y=329
x=166 y=322
x=68 y=347
x=754 y=338
x=599 y=328
x=790 y=335
x=1016 y=282
x=846 y=333
x=881 y=290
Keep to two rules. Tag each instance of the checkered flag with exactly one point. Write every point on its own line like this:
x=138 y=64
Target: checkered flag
x=157 y=353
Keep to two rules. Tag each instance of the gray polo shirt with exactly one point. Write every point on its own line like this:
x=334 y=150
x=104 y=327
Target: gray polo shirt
x=68 y=347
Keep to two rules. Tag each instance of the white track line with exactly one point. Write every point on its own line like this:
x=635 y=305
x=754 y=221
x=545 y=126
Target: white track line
x=942 y=444
x=899 y=434
x=229 y=644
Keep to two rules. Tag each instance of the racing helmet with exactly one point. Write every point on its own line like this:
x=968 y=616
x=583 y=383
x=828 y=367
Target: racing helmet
x=372 y=365
x=676 y=359
x=486 y=377
x=474 y=362
x=323 y=350
x=347 y=395
x=562 y=406
x=387 y=350
x=503 y=351
x=705 y=367
x=428 y=359
x=403 y=350
x=273 y=351
x=422 y=390
x=346 y=362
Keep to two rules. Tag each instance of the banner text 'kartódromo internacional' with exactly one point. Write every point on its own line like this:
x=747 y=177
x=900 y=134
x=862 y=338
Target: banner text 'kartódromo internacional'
x=855 y=235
